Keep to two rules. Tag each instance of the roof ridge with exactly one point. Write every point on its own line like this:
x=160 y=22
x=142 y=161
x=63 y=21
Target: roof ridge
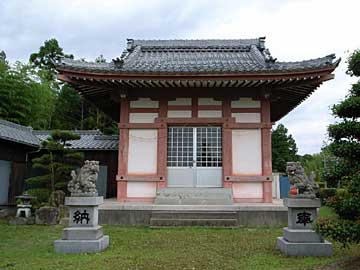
x=82 y=131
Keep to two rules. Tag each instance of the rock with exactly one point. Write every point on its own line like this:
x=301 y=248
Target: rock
x=47 y=215
x=22 y=220
x=57 y=198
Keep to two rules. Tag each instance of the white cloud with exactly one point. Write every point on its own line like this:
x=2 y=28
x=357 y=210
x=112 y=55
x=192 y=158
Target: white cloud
x=295 y=30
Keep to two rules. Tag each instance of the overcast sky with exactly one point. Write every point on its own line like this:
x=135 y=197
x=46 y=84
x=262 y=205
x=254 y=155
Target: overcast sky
x=294 y=30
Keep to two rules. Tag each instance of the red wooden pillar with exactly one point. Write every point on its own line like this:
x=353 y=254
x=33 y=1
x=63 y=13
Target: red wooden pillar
x=162 y=146
x=266 y=150
x=227 y=145
x=123 y=151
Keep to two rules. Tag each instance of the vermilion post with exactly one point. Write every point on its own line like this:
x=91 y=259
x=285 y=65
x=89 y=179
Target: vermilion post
x=226 y=145
x=123 y=151
x=162 y=146
x=266 y=150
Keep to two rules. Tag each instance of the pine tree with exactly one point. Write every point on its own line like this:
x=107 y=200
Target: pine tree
x=345 y=145
x=57 y=163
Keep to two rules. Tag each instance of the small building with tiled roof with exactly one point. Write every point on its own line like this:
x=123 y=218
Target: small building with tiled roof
x=196 y=113
x=20 y=144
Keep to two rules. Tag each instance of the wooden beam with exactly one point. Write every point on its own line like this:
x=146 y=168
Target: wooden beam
x=266 y=150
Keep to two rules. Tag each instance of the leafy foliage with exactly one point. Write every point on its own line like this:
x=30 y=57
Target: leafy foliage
x=345 y=145
x=57 y=162
x=283 y=148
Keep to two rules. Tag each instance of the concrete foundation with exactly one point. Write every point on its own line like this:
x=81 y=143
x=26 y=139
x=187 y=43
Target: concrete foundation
x=246 y=214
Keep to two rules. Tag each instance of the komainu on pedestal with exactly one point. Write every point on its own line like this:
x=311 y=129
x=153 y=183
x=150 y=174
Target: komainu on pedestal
x=83 y=235
x=299 y=238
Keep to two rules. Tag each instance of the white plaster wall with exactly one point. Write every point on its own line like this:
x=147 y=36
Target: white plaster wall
x=144 y=103
x=142 y=117
x=248 y=190
x=179 y=114
x=247 y=117
x=208 y=101
x=204 y=113
x=142 y=157
x=180 y=101
x=245 y=103
x=141 y=189
x=246 y=151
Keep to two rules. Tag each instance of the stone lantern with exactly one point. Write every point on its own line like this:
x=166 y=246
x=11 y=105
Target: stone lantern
x=24 y=207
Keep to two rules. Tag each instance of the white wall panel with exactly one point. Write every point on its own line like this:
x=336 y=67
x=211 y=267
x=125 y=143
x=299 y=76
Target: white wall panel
x=247 y=190
x=144 y=103
x=246 y=151
x=208 y=101
x=245 y=103
x=180 y=101
x=247 y=117
x=179 y=114
x=142 y=151
x=141 y=189
x=204 y=113
x=142 y=117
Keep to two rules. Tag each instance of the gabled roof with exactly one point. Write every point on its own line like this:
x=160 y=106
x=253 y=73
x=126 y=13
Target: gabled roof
x=196 y=56
x=89 y=140
x=17 y=133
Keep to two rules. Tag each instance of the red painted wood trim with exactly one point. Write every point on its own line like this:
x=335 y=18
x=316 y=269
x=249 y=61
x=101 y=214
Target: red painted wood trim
x=227 y=153
x=144 y=110
x=121 y=191
x=140 y=178
x=194 y=107
x=250 y=178
x=245 y=110
x=179 y=108
x=249 y=125
x=227 y=143
x=226 y=108
x=193 y=120
x=123 y=148
x=162 y=145
x=266 y=149
x=210 y=107
x=142 y=125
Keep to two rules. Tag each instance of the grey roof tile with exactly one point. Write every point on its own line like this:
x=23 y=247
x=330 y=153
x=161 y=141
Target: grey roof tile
x=197 y=56
x=89 y=140
x=17 y=133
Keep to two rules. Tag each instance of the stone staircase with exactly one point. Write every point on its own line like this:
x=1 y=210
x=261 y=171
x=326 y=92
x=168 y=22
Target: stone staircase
x=194 y=196
x=209 y=218
x=193 y=216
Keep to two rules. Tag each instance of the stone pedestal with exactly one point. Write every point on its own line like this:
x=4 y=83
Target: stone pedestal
x=299 y=237
x=83 y=235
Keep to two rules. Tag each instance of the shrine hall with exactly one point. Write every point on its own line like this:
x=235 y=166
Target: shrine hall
x=195 y=114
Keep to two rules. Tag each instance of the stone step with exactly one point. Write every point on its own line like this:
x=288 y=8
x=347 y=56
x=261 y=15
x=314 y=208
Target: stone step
x=162 y=222
x=194 y=196
x=194 y=214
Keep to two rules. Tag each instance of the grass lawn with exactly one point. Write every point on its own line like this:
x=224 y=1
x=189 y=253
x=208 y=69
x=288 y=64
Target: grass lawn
x=31 y=247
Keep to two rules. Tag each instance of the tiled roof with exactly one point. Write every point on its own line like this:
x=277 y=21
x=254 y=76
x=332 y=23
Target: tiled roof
x=197 y=56
x=17 y=133
x=89 y=140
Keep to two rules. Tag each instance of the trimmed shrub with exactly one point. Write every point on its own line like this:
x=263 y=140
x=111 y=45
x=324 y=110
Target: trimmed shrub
x=325 y=194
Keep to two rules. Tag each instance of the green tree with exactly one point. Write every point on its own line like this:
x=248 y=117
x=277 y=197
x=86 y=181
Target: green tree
x=345 y=145
x=24 y=99
x=283 y=148
x=46 y=57
x=57 y=163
